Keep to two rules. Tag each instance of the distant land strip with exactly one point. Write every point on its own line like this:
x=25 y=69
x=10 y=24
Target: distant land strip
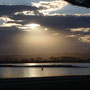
x=44 y=66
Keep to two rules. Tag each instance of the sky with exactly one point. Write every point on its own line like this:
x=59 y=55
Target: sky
x=44 y=28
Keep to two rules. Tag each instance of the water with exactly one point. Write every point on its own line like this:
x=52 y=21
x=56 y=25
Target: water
x=21 y=72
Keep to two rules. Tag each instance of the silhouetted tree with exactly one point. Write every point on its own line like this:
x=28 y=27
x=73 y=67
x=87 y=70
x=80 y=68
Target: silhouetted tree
x=32 y=59
x=84 y=3
x=39 y=58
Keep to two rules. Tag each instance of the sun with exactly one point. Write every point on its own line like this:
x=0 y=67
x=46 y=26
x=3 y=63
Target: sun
x=32 y=25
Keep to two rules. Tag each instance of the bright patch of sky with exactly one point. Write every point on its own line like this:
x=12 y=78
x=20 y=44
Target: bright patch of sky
x=72 y=9
x=1 y=21
x=19 y=2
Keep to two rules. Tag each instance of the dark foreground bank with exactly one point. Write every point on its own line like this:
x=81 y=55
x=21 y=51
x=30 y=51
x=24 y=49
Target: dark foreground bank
x=56 y=83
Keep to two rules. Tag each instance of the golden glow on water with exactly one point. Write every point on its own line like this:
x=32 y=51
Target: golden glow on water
x=37 y=72
x=30 y=64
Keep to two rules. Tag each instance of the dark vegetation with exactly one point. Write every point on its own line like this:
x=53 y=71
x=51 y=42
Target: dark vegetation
x=15 y=59
x=84 y=3
x=47 y=83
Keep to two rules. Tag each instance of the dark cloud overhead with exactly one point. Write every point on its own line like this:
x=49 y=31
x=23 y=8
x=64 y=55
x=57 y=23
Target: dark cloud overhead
x=6 y=10
x=59 y=22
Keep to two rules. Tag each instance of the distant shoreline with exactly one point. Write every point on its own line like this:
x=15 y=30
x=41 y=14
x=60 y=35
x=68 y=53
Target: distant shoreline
x=41 y=62
x=44 y=66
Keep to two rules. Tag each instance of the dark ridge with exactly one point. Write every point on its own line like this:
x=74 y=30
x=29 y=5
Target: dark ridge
x=84 y=3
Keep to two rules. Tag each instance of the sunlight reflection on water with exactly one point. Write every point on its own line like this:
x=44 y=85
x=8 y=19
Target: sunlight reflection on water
x=21 y=72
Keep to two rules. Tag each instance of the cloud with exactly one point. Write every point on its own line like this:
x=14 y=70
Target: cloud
x=40 y=8
x=10 y=25
x=49 y=6
x=73 y=23
x=71 y=26
x=59 y=22
x=66 y=31
x=12 y=29
x=81 y=34
x=16 y=17
x=55 y=34
x=85 y=39
x=80 y=30
x=71 y=36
